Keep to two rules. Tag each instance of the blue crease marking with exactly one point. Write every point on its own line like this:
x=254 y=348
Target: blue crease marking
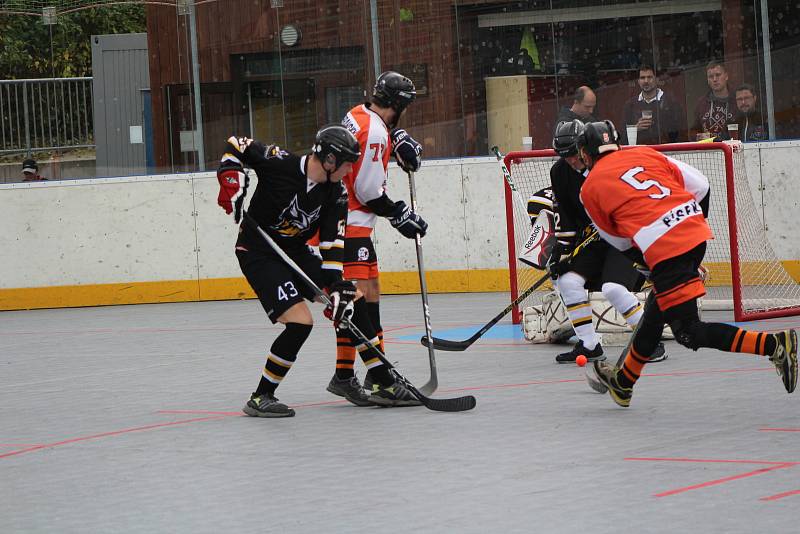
x=511 y=332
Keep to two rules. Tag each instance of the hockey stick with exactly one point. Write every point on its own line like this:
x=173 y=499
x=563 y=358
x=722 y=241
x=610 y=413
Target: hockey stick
x=507 y=176
x=446 y=344
x=429 y=387
x=592 y=380
x=458 y=404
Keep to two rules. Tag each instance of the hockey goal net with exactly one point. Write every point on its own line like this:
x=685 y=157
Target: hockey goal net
x=745 y=274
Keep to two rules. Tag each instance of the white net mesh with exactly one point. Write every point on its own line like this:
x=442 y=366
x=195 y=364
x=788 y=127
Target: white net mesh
x=763 y=284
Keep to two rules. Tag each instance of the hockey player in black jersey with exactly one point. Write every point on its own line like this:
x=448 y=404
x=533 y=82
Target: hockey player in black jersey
x=598 y=266
x=295 y=197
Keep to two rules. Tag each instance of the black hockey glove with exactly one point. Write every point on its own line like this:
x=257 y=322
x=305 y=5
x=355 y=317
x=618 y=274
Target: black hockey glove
x=406 y=150
x=342 y=295
x=559 y=262
x=407 y=222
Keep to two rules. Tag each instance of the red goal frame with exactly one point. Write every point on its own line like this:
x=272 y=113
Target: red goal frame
x=740 y=314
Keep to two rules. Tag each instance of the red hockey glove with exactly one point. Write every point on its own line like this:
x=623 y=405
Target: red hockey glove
x=342 y=295
x=233 y=185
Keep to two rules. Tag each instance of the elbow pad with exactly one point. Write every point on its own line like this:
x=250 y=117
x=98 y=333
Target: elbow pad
x=381 y=206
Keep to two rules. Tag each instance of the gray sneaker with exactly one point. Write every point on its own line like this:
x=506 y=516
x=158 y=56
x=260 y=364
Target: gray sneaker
x=266 y=405
x=394 y=395
x=350 y=389
x=785 y=358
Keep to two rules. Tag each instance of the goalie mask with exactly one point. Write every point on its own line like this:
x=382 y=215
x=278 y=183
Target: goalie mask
x=335 y=144
x=395 y=91
x=565 y=139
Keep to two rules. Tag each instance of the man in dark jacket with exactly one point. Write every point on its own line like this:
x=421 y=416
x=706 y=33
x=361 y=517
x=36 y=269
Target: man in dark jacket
x=583 y=103
x=717 y=108
x=751 y=123
x=658 y=117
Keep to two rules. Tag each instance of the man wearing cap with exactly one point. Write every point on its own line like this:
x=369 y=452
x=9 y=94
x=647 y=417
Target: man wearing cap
x=30 y=171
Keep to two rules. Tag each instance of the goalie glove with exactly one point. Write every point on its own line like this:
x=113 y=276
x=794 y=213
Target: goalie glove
x=233 y=183
x=407 y=222
x=406 y=150
x=342 y=295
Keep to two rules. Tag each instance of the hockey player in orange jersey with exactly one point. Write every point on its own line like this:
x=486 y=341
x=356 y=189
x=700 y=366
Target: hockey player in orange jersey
x=654 y=207
x=374 y=125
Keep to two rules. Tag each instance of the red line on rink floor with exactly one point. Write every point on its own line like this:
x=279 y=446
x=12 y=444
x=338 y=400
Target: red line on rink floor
x=108 y=434
x=780 y=495
x=772 y=466
x=779 y=429
x=710 y=461
x=718 y=481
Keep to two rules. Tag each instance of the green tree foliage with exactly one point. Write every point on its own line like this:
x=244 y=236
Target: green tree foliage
x=25 y=50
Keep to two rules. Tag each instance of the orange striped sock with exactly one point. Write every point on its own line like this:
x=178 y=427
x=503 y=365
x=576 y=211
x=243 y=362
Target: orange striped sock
x=345 y=357
x=632 y=368
x=752 y=342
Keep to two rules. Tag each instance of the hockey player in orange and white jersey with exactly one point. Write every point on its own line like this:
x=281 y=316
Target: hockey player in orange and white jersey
x=374 y=124
x=654 y=207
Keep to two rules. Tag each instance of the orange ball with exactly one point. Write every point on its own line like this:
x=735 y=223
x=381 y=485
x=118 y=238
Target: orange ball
x=581 y=360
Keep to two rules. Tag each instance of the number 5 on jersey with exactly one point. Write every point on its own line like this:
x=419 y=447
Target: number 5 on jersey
x=630 y=178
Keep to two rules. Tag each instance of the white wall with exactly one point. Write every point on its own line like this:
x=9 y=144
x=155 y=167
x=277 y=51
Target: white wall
x=158 y=228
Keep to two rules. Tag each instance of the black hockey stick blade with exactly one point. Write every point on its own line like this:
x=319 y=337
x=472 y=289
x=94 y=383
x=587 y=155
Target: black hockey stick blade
x=457 y=404
x=447 y=344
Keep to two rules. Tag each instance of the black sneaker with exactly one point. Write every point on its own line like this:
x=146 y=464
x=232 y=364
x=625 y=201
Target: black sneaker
x=394 y=395
x=350 y=389
x=608 y=376
x=594 y=355
x=266 y=405
x=785 y=358
x=659 y=355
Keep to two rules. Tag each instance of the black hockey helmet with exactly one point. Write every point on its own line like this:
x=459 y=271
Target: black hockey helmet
x=565 y=138
x=393 y=90
x=599 y=138
x=336 y=144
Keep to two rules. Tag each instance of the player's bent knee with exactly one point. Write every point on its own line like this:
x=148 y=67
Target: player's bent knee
x=298 y=313
x=570 y=281
x=689 y=333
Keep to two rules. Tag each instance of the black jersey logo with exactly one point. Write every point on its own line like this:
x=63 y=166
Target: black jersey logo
x=294 y=220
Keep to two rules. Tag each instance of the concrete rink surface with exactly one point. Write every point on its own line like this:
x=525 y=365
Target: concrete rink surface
x=128 y=419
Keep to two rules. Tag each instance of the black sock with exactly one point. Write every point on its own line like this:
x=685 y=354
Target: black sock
x=374 y=312
x=282 y=355
x=368 y=348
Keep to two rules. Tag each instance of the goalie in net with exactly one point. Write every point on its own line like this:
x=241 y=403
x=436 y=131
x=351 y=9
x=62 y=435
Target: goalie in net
x=559 y=224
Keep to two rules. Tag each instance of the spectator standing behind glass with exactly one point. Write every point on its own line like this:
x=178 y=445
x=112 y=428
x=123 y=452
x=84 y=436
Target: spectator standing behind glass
x=658 y=117
x=583 y=103
x=715 y=109
x=30 y=172
x=751 y=123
